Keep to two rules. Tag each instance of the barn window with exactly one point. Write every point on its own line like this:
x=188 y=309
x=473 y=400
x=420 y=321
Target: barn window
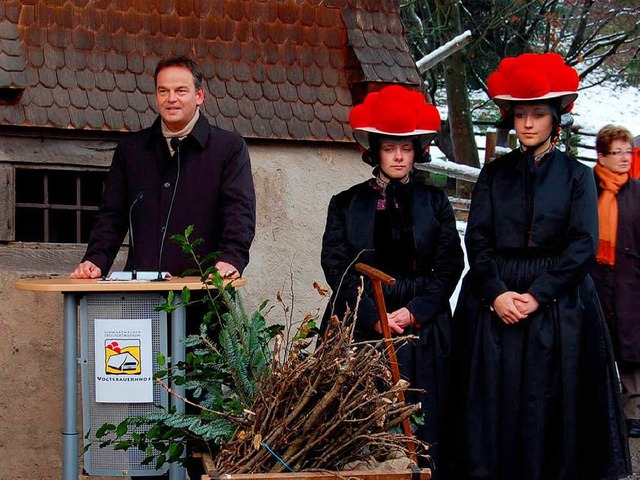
x=56 y=206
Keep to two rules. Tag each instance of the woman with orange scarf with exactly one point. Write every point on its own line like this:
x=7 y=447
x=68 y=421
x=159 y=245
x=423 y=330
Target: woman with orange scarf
x=617 y=272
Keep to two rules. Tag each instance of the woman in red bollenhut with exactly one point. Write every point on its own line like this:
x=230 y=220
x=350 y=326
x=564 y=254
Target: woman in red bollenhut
x=407 y=229
x=538 y=390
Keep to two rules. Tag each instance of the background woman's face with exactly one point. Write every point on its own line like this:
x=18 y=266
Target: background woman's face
x=618 y=158
x=533 y=123
x=396 y=158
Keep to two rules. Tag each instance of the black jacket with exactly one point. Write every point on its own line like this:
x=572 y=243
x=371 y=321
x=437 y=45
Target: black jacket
x=563 y=223
x=623 y=320
x=215 y=194
x=426 y=275
x=348 y=239
x=537 y=399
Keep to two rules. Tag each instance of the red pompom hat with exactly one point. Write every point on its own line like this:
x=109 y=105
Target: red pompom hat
x=533 y=76
x=394 y=111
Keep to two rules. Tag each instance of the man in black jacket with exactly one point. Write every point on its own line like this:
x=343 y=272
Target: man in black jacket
x=181 y=171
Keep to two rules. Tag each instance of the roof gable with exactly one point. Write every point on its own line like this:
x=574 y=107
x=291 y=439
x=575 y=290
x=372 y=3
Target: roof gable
x=273 y=69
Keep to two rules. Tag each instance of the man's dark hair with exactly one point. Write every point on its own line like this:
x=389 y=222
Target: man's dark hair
x=181 y=61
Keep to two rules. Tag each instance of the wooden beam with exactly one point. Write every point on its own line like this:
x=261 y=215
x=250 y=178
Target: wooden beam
x=422 y=474
x=56 y=152
x=450 y=169
x=490 y=147
x=381 y=474
x=52 y=258
x=7 y=203
x=440 y=53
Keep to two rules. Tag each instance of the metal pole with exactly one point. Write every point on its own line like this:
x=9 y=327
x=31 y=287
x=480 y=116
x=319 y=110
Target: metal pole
x=70 y=460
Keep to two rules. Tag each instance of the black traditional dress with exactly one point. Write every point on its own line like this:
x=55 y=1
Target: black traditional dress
x=409 y=232
x=540 y=398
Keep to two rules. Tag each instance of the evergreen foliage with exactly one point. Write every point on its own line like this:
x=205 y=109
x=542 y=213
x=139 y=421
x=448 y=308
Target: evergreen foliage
x=224 y=366
x=259 y=404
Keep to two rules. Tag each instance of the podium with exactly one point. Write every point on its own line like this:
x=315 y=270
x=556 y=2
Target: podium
x=97 y=297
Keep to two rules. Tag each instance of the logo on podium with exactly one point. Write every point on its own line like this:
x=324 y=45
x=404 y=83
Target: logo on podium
x=123 y=360
x=123 y=357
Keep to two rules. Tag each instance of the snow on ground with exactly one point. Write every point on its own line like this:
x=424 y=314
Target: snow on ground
x=608 y=103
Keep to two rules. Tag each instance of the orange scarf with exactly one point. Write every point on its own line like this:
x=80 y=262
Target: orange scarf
x=608 y=212
x=635 y=163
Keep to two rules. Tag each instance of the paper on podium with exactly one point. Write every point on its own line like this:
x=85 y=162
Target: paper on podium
x=140 y=276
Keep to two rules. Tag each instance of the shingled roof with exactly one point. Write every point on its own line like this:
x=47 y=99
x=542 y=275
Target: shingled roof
x=273 y=69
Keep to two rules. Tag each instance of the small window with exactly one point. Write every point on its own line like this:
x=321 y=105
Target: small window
x=56 y=206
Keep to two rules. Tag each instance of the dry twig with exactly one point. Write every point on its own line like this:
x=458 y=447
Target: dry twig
x=323 y=410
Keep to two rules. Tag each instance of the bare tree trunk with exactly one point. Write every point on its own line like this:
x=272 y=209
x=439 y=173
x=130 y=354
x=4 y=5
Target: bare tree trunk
x=465 y=150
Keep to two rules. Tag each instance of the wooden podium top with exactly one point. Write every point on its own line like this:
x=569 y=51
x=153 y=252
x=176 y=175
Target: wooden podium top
x=67 y=285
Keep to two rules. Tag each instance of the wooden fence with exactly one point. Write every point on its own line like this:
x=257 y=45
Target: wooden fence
x=581 y=142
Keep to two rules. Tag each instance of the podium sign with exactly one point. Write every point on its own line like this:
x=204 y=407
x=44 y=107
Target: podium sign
x=110 y=300
x=120 y=335
x=123 y=356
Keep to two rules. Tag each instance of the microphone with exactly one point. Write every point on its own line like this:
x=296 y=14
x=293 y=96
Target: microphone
x=175 y=146
x=132 y=252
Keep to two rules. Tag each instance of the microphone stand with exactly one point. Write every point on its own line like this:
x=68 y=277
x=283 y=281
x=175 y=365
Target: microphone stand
x=175 y=145
x=132 y=252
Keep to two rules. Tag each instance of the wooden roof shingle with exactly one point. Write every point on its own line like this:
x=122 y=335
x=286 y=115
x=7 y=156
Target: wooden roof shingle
x=273 y=69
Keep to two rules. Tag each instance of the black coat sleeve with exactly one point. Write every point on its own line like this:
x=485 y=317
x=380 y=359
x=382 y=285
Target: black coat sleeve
x=238 y=207
x=576 y=259
x=480 y=241
x=433 y=288
x=338 y=259
x=565 y=221
x=111 y=224
x=425 y=291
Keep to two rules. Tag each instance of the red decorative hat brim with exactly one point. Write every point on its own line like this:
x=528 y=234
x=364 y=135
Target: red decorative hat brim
x=361 y=135
x=506 y=102
x=532 y=77
x=394 y=111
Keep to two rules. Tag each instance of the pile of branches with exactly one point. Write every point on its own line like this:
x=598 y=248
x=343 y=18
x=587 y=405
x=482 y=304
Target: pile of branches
x=256 y=407
x=323 y=410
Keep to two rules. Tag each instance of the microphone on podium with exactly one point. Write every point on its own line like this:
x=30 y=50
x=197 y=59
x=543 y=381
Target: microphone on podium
x=132 y=252
x=175 y=146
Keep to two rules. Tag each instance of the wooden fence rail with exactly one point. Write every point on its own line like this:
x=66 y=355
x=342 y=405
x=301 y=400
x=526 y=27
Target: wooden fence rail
x=585 y=145
x=582 y=140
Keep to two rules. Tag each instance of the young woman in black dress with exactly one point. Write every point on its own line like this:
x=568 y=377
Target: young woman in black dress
x=538 y=386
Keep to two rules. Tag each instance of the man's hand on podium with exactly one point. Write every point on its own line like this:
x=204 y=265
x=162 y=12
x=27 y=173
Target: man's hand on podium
x=227 y=270
x=86 y=269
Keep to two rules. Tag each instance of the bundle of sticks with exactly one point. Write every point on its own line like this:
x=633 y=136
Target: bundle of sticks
x=323 y=410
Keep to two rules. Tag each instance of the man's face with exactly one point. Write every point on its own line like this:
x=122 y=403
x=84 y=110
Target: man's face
x=176 y=97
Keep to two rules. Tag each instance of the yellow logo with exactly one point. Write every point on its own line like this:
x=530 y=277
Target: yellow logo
x=122 y=357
